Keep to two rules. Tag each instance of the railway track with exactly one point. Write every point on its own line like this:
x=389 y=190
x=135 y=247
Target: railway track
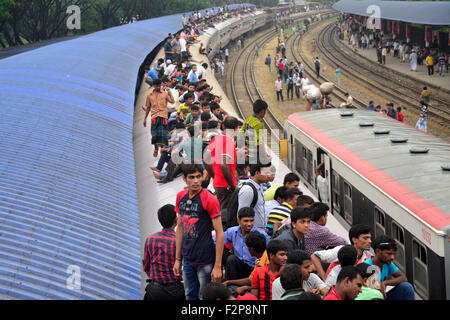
x=242 y=72
x=295 y=47
x=397 y=89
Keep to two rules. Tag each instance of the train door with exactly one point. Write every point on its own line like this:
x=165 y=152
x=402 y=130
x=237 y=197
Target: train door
x=327 y=170
x=323 y=183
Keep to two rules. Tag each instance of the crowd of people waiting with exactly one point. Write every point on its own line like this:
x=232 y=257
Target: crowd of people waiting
x=360 y=37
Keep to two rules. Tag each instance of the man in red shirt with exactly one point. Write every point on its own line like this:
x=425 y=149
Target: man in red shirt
x=348 y=285
x=220 y=162
x=263 y=277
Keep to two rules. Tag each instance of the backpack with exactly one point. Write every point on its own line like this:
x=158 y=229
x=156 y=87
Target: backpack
x=229 y=215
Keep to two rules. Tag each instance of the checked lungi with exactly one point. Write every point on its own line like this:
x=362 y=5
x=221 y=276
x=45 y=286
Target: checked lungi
x=159 y=131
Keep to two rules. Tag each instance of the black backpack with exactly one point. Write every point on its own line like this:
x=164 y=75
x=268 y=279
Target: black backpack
x=229 y=215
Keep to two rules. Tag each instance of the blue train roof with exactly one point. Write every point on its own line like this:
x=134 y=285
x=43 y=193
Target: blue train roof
x=67 y=176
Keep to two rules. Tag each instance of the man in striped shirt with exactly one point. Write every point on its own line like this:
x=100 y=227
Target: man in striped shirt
x=282 y=212
x=159 y=258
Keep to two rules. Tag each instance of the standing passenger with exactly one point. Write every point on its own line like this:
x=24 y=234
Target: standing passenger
x=156 y=103
x=159 y=258
x=198 y=214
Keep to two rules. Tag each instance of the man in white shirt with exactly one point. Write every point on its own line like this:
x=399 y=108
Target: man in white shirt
x=259 y=174
x=182 y=42
x=168 y=71
x=227 y=53
x=349 y=102
x=322 y=183
x=303 y=83
x=311 y=281
x=201 y=71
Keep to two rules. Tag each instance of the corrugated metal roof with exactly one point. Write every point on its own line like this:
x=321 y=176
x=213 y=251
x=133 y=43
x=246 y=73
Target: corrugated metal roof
x=67 y=177
x=421 y=12
x=420 y=173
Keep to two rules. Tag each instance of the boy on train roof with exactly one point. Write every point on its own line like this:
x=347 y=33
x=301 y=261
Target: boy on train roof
x=348 y=285
x=291 y=180
x=360 y=237
x=389 y=275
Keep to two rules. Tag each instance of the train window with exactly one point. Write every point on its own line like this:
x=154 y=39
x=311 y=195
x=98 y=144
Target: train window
x=304 y=163
x=348 y=212
x=420 y=268
x=299 y=163
x=335 y=190
x=380 y=222
x=399 y=236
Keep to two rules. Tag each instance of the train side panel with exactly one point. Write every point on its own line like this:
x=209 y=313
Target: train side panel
x=420 y=253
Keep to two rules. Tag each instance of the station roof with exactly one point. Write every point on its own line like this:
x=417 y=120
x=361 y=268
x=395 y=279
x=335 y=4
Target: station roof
x=420 y=12
x=68 y=198
x=417 y=181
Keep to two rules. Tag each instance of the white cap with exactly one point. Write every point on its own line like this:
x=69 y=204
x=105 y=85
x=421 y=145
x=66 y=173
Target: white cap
x=169 y=61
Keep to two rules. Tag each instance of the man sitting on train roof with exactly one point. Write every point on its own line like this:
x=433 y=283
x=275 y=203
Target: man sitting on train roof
x=241 y=263
x=291 y=180
x=389 y=274
x=319 y=236
x=300 y=222
x=360 y=237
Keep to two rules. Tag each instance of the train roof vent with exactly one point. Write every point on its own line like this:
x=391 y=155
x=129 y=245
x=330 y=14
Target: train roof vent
x=418 y=150
x=366 y=124
x=446 y=167
x=399 y=140
x=347 y=114
x=381 y=131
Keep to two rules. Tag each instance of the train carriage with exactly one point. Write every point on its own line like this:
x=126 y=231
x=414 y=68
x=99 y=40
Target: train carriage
x=385 y=174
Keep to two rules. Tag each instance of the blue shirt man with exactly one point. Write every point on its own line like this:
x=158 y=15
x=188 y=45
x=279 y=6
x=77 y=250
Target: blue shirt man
x=389 y=275
x=152 y=74
x=371 y=106
x=241 y=263
x=168 y=51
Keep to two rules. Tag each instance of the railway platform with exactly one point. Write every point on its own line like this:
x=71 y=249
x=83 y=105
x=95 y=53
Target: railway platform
x=395 y=64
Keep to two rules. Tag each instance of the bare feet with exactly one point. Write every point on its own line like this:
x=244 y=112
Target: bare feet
x=156 y=174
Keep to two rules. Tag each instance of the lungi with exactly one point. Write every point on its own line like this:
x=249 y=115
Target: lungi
x=159 y=131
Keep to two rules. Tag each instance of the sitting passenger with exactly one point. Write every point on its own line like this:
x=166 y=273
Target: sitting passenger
x=360 y=238
x=368 y=292
x=291 y=278
x=319 y=236
x=194 y=116
x=348 y=285
x=278 y=214
x=311 y=282
x=241 y=263
x=389 y=275
x=218 y=291
x=184 y=108
x=295 y=237
x=256 y=245
x=192 y=149
x=291 y=180
x=347 y=257
x=263 y=277
x=277 y=200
